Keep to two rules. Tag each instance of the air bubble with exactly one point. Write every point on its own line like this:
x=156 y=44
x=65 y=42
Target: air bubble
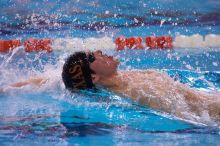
x=215 y=63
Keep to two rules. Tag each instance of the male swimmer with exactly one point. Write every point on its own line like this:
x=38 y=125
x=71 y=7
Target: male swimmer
x=151 y=88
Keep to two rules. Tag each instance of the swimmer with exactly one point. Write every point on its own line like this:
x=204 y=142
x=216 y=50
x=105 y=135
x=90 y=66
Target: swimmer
x=151 y=88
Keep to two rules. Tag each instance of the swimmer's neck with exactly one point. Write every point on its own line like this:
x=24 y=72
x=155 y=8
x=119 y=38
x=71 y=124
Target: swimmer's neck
x=114 y=82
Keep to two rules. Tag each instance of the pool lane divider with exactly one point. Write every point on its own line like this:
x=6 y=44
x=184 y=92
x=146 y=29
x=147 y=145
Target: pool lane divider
x=120 y=43
x=30 y=45
x=152 y=42
x=6 y=45
x=37 y=45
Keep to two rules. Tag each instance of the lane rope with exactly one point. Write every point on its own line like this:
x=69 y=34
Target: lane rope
x=119 y=43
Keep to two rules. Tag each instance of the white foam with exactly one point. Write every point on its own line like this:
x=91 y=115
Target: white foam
x=79 y=44
x=73 y=44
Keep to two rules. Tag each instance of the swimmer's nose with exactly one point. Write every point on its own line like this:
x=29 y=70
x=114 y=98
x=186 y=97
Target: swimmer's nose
x=116 y=58
x=110 y=57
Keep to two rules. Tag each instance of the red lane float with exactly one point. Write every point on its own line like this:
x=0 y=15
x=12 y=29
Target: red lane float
x=6 y=45
x=153 y=42
x=131 y=43
x=161 y=42
x=37 y=45
x=120 y=43
x=134 y=43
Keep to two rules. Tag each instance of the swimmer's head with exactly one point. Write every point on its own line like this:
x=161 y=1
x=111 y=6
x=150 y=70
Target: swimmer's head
x=81 y=70
x=76 y=71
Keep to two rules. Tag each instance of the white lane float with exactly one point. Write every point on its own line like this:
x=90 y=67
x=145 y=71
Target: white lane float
x=197 y=41
x=193 y=41
x=212 y=40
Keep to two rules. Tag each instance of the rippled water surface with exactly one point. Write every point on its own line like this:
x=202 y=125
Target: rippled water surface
x=51 y=116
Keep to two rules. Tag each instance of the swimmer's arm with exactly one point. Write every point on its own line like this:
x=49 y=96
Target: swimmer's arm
x=33 y=81
x=37 y=82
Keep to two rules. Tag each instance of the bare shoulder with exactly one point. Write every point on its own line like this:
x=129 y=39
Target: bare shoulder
x=151 y=76
x=155 y=72
x=150 y=72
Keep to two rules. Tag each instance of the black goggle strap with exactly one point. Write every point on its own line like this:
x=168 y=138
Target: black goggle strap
x=91 y=59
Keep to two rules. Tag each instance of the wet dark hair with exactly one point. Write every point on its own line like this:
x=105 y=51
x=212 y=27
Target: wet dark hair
x=76 y=72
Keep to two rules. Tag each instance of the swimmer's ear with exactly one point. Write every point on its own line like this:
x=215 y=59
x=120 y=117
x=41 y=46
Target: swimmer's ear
x=95 y=78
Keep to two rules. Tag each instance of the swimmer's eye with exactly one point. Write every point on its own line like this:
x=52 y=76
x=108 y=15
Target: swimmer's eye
x=91 y=57
x=99 y=52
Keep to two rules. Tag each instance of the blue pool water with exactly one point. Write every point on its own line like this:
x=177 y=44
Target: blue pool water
x=50 y=115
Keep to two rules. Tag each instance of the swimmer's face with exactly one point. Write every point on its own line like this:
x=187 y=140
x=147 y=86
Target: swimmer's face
x=104 y=65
